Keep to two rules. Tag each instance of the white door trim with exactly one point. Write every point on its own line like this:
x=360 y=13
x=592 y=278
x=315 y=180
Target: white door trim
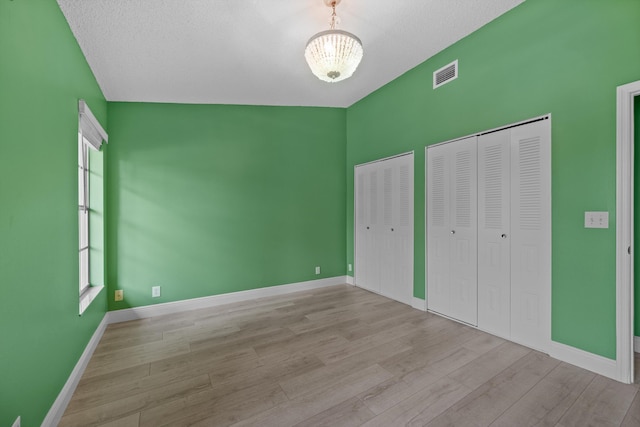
x=624 y=230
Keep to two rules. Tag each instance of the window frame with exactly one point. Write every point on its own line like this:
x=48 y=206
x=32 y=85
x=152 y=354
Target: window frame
x=83 y=214
x=90 y=137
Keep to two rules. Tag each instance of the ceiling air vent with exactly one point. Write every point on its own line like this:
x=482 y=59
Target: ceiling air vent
x=445 y=74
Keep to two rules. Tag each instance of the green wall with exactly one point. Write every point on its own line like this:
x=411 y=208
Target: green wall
x=210 y=199
x=42 y=75
x=205 y=200
x=545 y=56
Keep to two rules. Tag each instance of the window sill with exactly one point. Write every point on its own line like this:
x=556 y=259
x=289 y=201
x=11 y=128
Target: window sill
x=88 y=296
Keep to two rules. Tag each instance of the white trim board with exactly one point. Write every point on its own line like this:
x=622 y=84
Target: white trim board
x=64 y=397
x=565 y=353
x=583 y=359
x=216 y=300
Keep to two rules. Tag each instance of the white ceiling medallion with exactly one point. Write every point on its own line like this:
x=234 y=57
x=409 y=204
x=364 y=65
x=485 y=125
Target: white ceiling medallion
x=333 y=55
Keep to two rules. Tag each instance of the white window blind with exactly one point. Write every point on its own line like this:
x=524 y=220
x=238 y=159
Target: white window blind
x=92 y=131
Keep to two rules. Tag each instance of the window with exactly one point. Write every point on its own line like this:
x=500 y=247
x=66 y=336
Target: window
x=90 y=138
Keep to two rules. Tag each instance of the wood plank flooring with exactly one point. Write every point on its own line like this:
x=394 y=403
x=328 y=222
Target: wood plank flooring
x=338 y=356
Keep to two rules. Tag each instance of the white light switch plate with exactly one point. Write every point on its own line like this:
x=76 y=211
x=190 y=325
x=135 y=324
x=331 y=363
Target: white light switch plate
x=596 y=220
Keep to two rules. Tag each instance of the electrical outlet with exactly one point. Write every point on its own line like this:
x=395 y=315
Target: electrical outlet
x=155 y=291
x=596 y=219
x=119 y=295
x=16 y=423
x=350 y=267
x=317 y=270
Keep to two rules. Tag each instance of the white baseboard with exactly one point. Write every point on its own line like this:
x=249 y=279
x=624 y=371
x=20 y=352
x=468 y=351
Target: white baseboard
x=636 y=344
x=350 y=280
x=584 y=359
x=60 y=405
x=419 y=304
x=215 y=300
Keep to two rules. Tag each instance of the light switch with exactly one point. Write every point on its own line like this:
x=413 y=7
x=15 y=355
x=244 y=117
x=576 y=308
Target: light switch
x=596 y=220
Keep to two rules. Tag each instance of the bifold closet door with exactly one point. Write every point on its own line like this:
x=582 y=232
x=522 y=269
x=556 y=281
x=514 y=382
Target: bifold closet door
x=531 y=234
x=514 y=233
x=438 y=229
x=397 y=229
x=494 y=233
x=367 y=240
x=452 y=230
x=384 y=227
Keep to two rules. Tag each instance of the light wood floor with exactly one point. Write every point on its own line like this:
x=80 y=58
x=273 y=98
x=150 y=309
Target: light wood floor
x=338 y=356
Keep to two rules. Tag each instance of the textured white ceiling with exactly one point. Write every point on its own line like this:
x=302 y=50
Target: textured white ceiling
x=252 y=51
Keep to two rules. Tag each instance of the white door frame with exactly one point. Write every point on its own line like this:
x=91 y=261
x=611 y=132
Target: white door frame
x=624 y=230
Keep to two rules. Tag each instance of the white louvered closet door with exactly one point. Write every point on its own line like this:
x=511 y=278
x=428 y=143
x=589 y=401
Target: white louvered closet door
x=438 y=229
x=387 y=259
x=368 y=227
x=397 y=234
x=503 y=253
x=384 y=227
x=452 y=230
x=494 y=236
x=361 y=225
x=464 y=233
x=531 y=234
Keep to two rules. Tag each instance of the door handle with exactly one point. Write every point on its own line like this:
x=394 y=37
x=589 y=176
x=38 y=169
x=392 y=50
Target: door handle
x=504 y=236
x=453 y=231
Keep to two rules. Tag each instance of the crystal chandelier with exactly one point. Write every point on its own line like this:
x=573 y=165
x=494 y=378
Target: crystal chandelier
x=333 y=55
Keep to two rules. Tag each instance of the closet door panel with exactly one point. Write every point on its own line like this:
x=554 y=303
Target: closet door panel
x=531 y=234
x=438 y=230
x=387 y=258
x=367 y=228
x=464 y=231
x=361 y=219
x=494 y=287
x=452 y=230
x=402 y=230
x=397 y=229
x=374 y=239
